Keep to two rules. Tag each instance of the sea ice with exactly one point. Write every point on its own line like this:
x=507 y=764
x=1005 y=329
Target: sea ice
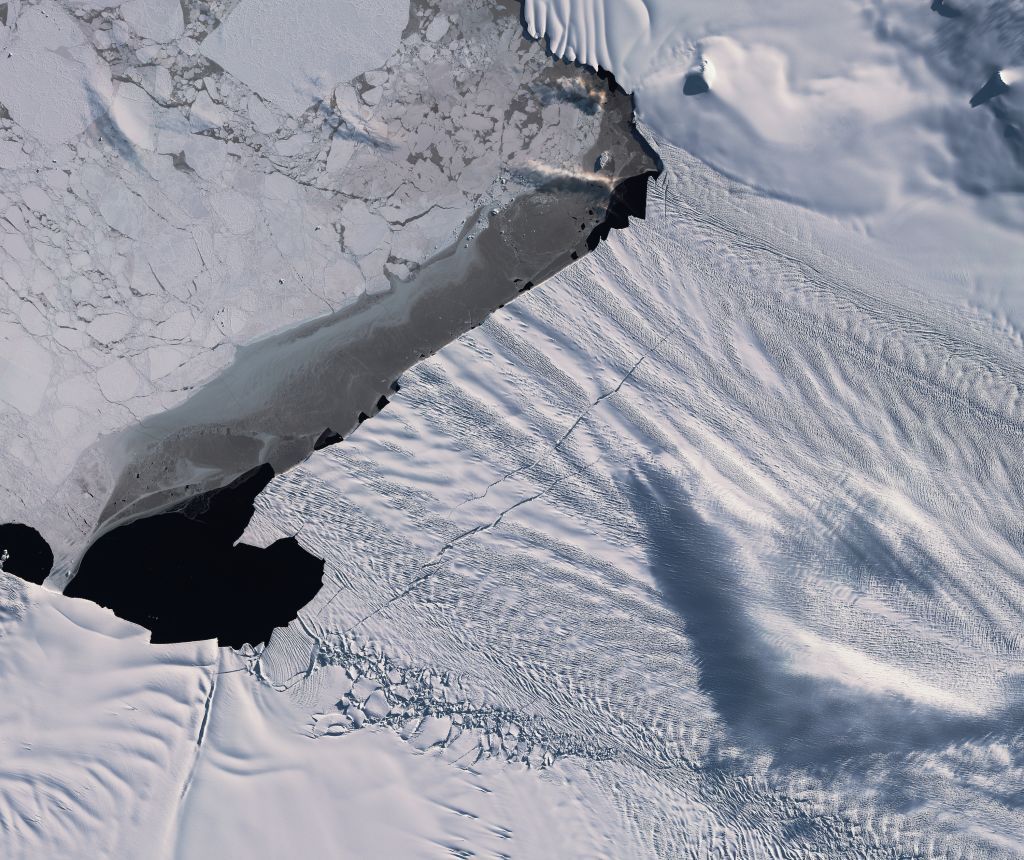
x=296 y=59
x=182 y=180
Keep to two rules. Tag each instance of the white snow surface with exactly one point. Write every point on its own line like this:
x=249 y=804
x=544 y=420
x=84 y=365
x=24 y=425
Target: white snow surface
x=857 y=108
x=115 y=748
x=267 y=786
x=51 y=81
x=99 y=728
x=727 y=513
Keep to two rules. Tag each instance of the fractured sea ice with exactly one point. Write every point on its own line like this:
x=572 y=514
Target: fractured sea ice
x=217 y=190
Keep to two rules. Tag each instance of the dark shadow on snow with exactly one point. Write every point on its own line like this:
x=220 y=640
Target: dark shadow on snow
x=994 y=87
x=945 y=10
x=695 y=85
x=765 y=705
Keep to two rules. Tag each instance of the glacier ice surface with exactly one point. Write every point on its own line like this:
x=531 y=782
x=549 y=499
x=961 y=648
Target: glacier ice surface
x=725 y=514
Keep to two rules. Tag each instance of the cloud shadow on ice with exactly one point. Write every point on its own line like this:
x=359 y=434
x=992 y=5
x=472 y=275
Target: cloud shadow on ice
x=765 y=704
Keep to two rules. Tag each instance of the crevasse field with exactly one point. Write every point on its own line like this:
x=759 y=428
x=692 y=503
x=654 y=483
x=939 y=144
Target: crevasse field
x=709 y=546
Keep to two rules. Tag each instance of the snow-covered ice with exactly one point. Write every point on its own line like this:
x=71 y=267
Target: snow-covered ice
x=268 y=787
x=861 y=110
x=296 y=59
x=99 y=728
x=727 y=513
x=116 y=748
x=708 y=546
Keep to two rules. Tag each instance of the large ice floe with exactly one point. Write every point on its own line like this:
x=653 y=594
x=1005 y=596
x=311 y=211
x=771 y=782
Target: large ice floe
x=707 y=546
